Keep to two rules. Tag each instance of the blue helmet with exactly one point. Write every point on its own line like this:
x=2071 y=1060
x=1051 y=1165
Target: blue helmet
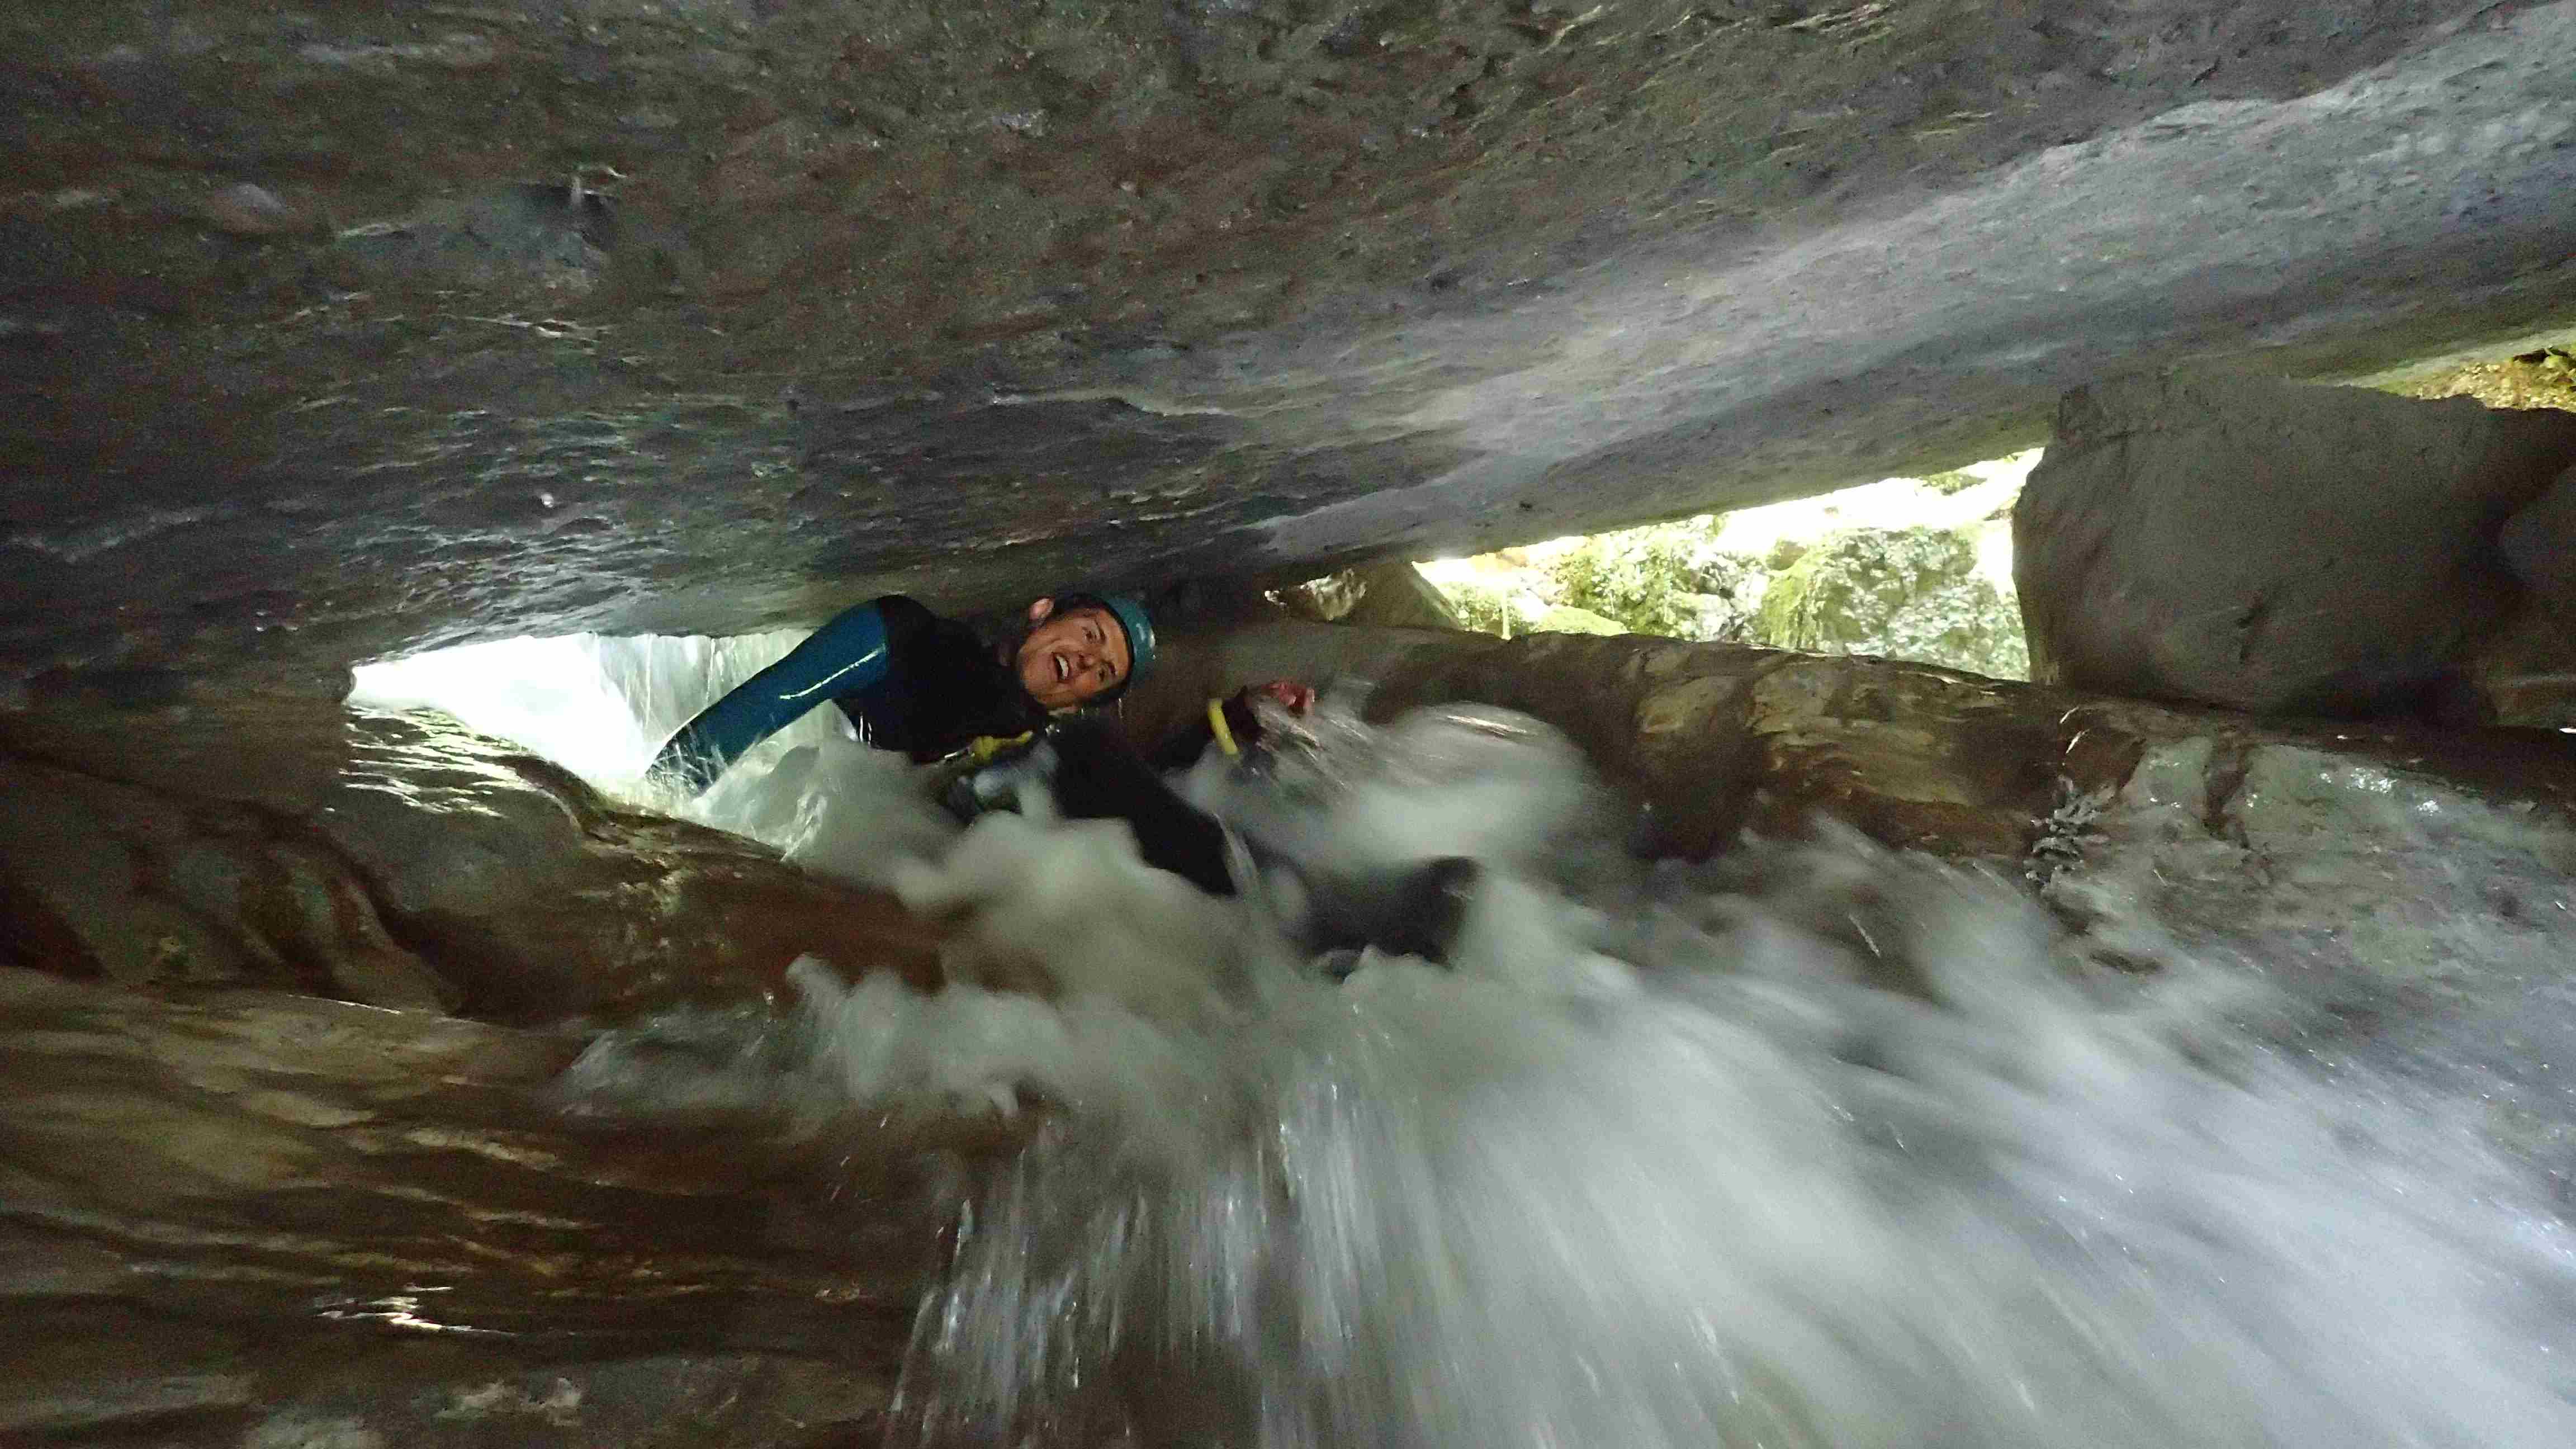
x=1139 y=628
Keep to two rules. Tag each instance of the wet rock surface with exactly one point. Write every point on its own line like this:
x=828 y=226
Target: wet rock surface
x=233 y=1212
x=2321 y=865
x=1714 y=739
x=1391 y=594
x=261 y=1184
x=325 y=334
x=2297 y=550
x=273 y=1220
x=1909 y=593
x=397 y=862
x=2536 y=543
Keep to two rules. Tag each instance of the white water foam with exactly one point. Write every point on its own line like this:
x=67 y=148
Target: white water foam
x=602 y=706
x=1869 y=1163
x=1818 y=1145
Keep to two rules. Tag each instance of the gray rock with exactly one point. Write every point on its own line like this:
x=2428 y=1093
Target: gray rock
x=1738 y=579
x=2271 y=547
x=247 y=209
x=1395 y=595
x=1281 y=286
x=2539 y=545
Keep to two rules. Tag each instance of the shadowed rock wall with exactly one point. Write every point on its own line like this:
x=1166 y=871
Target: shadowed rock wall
x=332 y=331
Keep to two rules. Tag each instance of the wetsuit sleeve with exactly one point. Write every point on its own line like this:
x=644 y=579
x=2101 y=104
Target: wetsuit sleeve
x=1100 y=776
x=849 y=653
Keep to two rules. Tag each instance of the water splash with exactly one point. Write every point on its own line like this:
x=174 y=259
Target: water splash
x=1817 y=1145
x=1869 y=1162
x=601 y=707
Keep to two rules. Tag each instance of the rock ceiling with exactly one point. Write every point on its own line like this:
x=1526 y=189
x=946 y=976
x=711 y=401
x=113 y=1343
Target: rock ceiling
x=330 y=332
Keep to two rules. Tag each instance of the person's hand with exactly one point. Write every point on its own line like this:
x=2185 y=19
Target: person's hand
x=1288 y=694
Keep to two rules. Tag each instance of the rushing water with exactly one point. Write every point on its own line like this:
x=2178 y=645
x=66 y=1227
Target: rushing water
x=1814 y=1145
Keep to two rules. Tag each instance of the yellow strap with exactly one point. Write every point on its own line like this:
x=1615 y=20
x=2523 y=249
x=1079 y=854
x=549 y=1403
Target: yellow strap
x=985 y=747
x=1216 y=722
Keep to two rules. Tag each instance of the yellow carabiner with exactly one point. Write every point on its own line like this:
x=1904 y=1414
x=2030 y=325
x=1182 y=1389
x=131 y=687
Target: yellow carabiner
x=985 y=747
x=1224 y=736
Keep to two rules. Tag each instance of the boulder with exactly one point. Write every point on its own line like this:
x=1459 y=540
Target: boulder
x=2540 y=547
x=2277 y=548
x=2527 y=675
x=396 y=861
x=263 y=1189
x=1393 y=594
x=1727 y=592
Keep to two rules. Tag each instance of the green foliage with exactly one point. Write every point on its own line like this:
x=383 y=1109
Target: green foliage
x=1954 y=481
x=1641 y=577
x=1909 y=593
x=1488 y=610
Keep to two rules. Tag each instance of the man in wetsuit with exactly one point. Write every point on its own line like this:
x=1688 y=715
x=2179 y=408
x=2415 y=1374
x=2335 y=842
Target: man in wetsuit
x=931 y=687
x=927 y=686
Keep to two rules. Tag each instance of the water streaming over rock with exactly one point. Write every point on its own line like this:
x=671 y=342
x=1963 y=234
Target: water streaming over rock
x=1813 y=1145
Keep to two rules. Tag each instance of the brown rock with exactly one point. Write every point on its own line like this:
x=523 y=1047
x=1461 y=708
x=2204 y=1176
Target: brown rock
x=2271 y=547
x=397 y=862
x=253 y=1216
x=1715 y=738
x=277 y=1220
x=2526 y=675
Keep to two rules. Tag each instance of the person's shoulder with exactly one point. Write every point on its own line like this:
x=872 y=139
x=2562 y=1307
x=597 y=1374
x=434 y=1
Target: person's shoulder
x=904 y=607
x=910 y=623
x=930 y=645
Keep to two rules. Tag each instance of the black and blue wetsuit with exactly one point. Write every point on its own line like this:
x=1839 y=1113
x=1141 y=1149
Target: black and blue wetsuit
x=909 y=680
x=930 y=687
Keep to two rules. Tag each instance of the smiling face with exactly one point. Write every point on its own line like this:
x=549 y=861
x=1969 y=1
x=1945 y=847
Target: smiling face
x=1071 y=657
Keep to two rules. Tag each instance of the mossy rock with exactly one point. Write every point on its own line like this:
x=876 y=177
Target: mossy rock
x=1566 y=619
x=1909 y=593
